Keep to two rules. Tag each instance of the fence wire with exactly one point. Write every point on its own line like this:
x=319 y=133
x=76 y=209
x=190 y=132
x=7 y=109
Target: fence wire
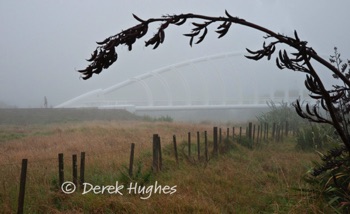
x=101 y=167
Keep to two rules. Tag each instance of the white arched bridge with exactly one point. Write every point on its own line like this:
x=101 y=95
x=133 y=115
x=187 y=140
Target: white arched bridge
x=221 y=81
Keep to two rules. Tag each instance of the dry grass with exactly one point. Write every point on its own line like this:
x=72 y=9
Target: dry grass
x=42 y=142
x=240 y=181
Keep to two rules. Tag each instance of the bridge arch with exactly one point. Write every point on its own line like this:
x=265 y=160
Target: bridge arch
x=223 y=80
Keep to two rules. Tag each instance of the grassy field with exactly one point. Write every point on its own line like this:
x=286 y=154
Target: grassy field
x=240 y=180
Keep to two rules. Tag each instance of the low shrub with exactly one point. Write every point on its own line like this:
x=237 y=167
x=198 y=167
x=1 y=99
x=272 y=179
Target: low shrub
x=316 y=137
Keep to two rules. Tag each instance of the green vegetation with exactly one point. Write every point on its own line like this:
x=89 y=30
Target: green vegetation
x=6 y=135
x=166 y=118
x=316 y=137
x=329 y=178
x=280 y=114
x=309 y=136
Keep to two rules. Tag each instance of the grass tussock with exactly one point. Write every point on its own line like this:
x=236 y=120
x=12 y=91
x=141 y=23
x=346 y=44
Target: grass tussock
x=240 y=180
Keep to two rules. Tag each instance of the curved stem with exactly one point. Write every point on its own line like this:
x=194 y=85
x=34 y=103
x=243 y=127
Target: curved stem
x=279 y=37
x=329 y=104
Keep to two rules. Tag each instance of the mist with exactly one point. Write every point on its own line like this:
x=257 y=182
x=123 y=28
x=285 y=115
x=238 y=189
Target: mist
x=44 y=43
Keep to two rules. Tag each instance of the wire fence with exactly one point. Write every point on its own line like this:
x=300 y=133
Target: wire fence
x=40 y=176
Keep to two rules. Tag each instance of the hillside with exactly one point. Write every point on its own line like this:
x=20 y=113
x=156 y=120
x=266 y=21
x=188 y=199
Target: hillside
x=21 y=116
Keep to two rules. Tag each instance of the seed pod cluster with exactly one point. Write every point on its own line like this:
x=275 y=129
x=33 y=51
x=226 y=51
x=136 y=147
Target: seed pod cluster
x=334 y=158
x=105 y=54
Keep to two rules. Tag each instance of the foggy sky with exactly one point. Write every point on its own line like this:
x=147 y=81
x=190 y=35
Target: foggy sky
x=44 y=42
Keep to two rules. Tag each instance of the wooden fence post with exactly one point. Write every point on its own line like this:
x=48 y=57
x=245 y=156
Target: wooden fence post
x=253 y=133
x=198 y=146
x=175 y=150
x=240 y=134
x=233 y=133
x=22 y=186
x=75 y=169
x=82 y=168
x=155 y=164
x=215 y=141
x=250 y=129
x=131 y=162
x=160 y=154
x=189 y=144
x=206 y=145
x=250 y=134
x=60 y=170
x=228 y=133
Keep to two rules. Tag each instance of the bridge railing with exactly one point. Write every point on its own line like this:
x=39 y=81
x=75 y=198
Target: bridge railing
x=208 y=103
